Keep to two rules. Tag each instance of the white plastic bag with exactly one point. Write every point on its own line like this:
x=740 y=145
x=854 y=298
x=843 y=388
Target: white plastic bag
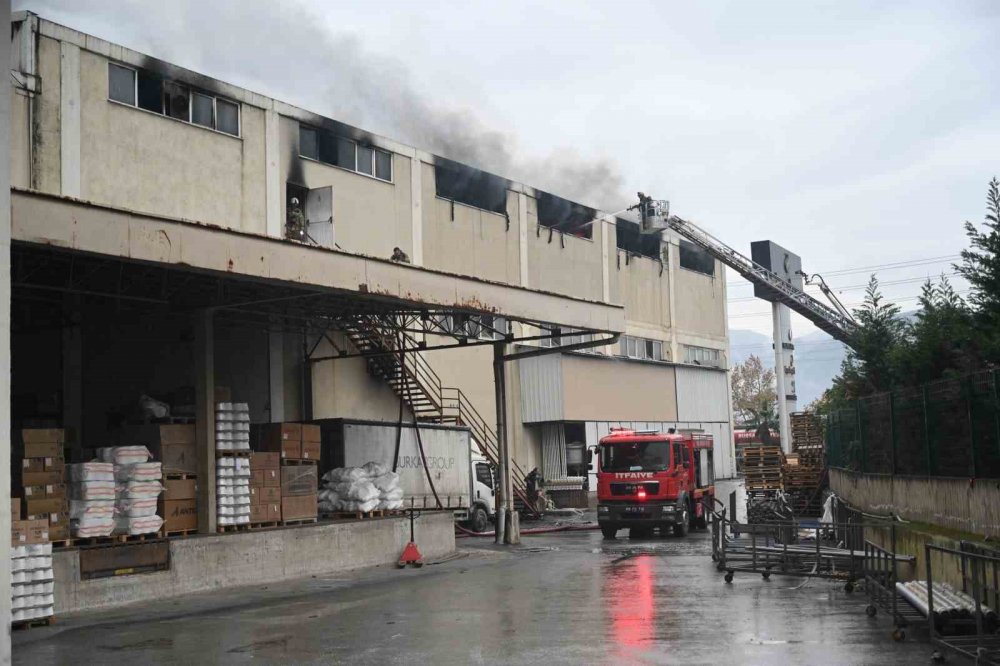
x=387 y=481
x=373 y=469
x=363 y=491
x=393 y=495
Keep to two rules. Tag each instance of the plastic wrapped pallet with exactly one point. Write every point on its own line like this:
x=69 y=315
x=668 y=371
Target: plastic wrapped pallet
x=364 y=489
x=92 y=495
x=32 y=588
x=232 y=426
x=232 y=491
x=124 y=455
x=137 y=489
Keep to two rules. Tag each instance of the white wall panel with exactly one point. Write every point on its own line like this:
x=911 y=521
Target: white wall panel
x=541 y=389
x=702 y=395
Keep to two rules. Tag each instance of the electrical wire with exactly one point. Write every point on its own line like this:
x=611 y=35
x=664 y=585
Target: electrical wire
x=849 y=305
x=911 y=263
x=855 y=287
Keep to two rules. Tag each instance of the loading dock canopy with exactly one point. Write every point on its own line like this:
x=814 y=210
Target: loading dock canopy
x=67 y=246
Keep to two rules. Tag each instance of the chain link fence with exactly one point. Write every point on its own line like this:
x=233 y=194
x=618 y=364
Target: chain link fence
x=946 y=428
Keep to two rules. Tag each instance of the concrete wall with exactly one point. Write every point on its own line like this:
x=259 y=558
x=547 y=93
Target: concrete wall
x=344 y=389
x=206 y=563
x=645 y=293
x=953 y=503
x=700 y=302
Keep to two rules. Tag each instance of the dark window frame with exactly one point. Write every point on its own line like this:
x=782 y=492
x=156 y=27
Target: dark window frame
x=328 y=148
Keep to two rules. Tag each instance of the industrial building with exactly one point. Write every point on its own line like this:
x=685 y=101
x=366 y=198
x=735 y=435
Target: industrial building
x=172 y=234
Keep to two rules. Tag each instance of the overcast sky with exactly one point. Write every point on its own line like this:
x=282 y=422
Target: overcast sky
x=853 y=133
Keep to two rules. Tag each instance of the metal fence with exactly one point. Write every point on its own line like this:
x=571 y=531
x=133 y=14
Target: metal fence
x=946 y=428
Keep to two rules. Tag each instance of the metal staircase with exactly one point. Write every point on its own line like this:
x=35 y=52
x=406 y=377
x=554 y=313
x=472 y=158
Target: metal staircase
x=414 y=380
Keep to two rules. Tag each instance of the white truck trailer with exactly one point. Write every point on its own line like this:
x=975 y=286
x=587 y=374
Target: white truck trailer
x=460 y=476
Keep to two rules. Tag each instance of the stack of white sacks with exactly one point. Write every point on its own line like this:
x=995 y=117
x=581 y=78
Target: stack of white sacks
x=232 y=426
x=364 y=489
x=116 y=495
x=31 y=582
x=232 y=490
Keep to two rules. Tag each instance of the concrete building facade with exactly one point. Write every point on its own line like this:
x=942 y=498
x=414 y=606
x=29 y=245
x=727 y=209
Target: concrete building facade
x=107 y=142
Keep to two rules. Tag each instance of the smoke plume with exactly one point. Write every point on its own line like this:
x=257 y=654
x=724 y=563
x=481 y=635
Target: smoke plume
x=283 y=51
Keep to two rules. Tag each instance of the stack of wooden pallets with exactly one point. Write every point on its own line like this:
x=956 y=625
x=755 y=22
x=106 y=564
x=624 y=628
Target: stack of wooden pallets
x=805 y=469
x=762 y=467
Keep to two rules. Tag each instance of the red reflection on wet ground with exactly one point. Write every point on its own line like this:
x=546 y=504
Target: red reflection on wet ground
x=628 y=595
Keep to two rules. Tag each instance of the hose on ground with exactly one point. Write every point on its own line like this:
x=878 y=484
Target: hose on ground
x=464 y=532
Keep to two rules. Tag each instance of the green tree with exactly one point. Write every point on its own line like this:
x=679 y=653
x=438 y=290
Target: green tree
x=875 y=347
x=981 y=267
x=942 y=339
x=755 y=400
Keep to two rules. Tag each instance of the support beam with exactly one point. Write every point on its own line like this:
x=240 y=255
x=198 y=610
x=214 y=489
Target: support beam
x=779 y=314
x=276 y=375
x=507 y=526
x=204 y=394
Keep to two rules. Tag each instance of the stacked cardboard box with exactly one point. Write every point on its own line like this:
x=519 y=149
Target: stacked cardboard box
x=265 y=487
x=294 y=441
x=179 y=504
x=42 y=480
x=299 y=484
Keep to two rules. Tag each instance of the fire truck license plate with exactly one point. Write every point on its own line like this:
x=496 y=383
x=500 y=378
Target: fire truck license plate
x=635 y=509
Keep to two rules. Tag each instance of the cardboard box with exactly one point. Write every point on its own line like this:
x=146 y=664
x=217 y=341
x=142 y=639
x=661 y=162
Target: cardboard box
x=285 y=438
x=273 y=512
x=37 y=507
x=310 y=433
x=255 y=495
x=15 y=508
x=34 y=492
x=258 y=513
x=310 y=450
x=179 y=514
x=256 y=477
x=299 y=480
x=47 y=435
x=298 y=508
x=29 y=532
x=272 y=478
x=180 y=489
x=172 y=444
x=265 y=460
x=33 y=465
x=58 y=519
x=43 y=450
x=269 y=495
x=54 y=464
x=41 y=478
x=57 y=490
x=59 y=532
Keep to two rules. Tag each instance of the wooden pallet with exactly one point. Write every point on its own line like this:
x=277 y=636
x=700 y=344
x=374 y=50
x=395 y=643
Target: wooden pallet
x=18 y=625
x=265 y=524
x=80 y=542
x=62 y=543
x=241 y=453
x=179 y=476
x=299 y=521
x=181 y=533
x=223 y=529
x=291 y=462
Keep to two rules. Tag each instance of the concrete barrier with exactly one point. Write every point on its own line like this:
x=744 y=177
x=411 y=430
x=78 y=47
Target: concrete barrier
x=212 y=562
x=960 y=504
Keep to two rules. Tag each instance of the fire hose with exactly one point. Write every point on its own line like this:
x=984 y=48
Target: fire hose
x=537 y=530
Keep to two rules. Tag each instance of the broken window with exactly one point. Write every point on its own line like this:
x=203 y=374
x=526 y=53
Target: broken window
x=147 y=90
x=694 y=258
x=337 y=151
x=565 y=215
x=308 y=143
x=121 y=84
x=227 y=116
x=176 y=101
x=202 y=110
x=641 y=348
x=150 y=88
x=630 y=238
x=469 y=186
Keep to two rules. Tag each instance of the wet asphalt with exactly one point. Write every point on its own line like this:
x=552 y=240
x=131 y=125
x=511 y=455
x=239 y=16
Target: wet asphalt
x=566 y=598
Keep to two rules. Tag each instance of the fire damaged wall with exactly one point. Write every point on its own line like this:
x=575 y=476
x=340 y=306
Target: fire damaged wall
x=469 y=186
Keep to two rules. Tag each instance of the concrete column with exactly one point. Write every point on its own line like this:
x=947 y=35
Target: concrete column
x=522 y=236
x=416 y=210
x=602 y=234
x=69 y=118
x=276 y=375
x=204 y=394
x=274 y=195
x=72 y=380
x=779 y=375
x=5 y=440
x=672 y=300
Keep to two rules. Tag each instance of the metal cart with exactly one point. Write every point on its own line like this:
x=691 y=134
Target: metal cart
x=881 y=573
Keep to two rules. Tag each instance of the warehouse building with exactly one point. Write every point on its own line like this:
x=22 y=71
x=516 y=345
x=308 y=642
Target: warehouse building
x=173 y=234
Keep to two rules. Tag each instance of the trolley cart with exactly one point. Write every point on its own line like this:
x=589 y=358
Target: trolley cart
x=881 y=571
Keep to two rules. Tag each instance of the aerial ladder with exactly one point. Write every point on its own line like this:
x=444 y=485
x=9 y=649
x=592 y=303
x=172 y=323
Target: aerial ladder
x=836 y=321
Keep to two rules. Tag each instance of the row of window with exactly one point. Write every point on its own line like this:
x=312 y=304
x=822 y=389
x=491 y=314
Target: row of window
x=146 y=90
x=703 y=356
x=641 y=348
x=325 y=147
x=481 y=327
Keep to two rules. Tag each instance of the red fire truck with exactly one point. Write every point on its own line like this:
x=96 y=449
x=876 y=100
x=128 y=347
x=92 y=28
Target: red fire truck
x=648 y=480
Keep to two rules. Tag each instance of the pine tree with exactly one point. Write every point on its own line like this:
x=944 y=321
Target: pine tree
x=981 y=267
x=872 y=361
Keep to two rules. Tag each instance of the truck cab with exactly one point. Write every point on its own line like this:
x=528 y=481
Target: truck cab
x=482 y=508
x=649 y=480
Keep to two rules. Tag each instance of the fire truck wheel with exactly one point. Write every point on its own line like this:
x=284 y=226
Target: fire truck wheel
x=609 y=532
x=681 y=526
